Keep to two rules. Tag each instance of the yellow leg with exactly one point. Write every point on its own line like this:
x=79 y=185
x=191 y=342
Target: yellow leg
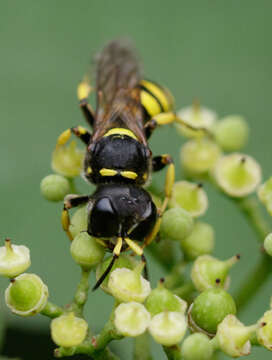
x=82 y=133
x=118 y=247
x=169 y=182
x=65 y=221
x=166 y=118
x=133 y=246
x=83 y=90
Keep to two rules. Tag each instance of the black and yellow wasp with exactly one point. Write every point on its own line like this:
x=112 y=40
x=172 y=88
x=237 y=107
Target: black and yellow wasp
x=121 y=214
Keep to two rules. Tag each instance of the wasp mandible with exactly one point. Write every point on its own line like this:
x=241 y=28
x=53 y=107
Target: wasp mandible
x=118 y=160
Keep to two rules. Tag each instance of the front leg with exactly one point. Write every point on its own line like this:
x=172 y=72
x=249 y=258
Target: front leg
x=83 y=91
x=166 y=118
x=70 y=202
x=83 y=134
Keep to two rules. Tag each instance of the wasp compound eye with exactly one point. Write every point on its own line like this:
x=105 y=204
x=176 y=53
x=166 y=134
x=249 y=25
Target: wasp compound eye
x=103 y=221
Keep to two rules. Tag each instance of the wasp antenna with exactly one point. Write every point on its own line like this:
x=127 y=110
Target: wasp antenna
x=106 y=272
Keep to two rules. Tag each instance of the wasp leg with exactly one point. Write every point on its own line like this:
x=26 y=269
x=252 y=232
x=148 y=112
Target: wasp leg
x=83 y=91
x=133 y=246
x=166 y=118
x=116 y=252
x=159 y=162
x=168 y=186
x=83 y=134
x=145 y=267
x=70 y=202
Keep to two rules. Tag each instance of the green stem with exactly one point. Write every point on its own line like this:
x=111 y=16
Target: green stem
x=81 y=294
x=172 y=352
x=250 y=209
x=254 y=281
x=51 y=310
x=141 y=348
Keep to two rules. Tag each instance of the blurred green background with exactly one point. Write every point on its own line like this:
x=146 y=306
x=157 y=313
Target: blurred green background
x=218 y=51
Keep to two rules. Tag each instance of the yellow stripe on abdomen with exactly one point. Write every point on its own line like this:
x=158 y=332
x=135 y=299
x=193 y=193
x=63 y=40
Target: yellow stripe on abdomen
x=158 y=93
x=150 y=104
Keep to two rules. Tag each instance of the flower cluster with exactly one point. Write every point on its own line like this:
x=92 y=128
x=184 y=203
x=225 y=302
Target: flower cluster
x=194 y=296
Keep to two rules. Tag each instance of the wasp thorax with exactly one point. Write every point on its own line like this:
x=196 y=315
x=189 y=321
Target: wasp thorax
x=118 y=158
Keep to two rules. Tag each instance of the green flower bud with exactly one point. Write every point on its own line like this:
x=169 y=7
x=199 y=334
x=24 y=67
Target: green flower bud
x=128 y=285
x=124 y=261
x=86 y=251
x=55 y=187
x=78 y=221
x=197 y=347
x=68 y=330
x=265 y=194
x=199 y=242
x=237 y=175
x=189 y=196
x=168 y=328
x=233 y=337
x=231 y=133
x=209 y=272
x=161 y=299
x=26 y=295
x=131 y=319
x=264 y=332
x=210 y=308
x=176 y=224
x=14 y=259
x=67 y=160
x=197 y=116
x=199 y=156
x=268 y=244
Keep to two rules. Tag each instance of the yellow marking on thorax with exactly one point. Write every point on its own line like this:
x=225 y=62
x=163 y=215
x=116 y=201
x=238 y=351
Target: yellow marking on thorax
x=89 y=170
x=159 y=93
x=150 y=103
x=129 y=174
x=121 y=131
x=108 y=172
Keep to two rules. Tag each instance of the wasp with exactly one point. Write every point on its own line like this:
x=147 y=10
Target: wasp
x=118 y=160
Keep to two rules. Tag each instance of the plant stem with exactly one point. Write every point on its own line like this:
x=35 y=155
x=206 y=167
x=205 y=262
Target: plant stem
x=51 y=310
x=250 y=209
x=141 y=348
x=254 y=281
x=81 y=294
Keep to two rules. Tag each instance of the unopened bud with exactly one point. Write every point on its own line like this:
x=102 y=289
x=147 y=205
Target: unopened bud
x=231 y=132
x=233 y=337
x=264 y=332
x=14 y=259
x=199 y=242
x=197 y=347
x=196 y=116
x=131 y=319
x=209 y=272
x=68 y=330
x=210 y=308
x=26 y=295
x=237 y=175
x=128 y=285
x=78 y=221
x=176 y=224
x=189 y=196
x=86 y=251
x=168 y=327
x=199 y=156
x=123 y=261
x=55 y=187
x=162 y=299
x=67 y=160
